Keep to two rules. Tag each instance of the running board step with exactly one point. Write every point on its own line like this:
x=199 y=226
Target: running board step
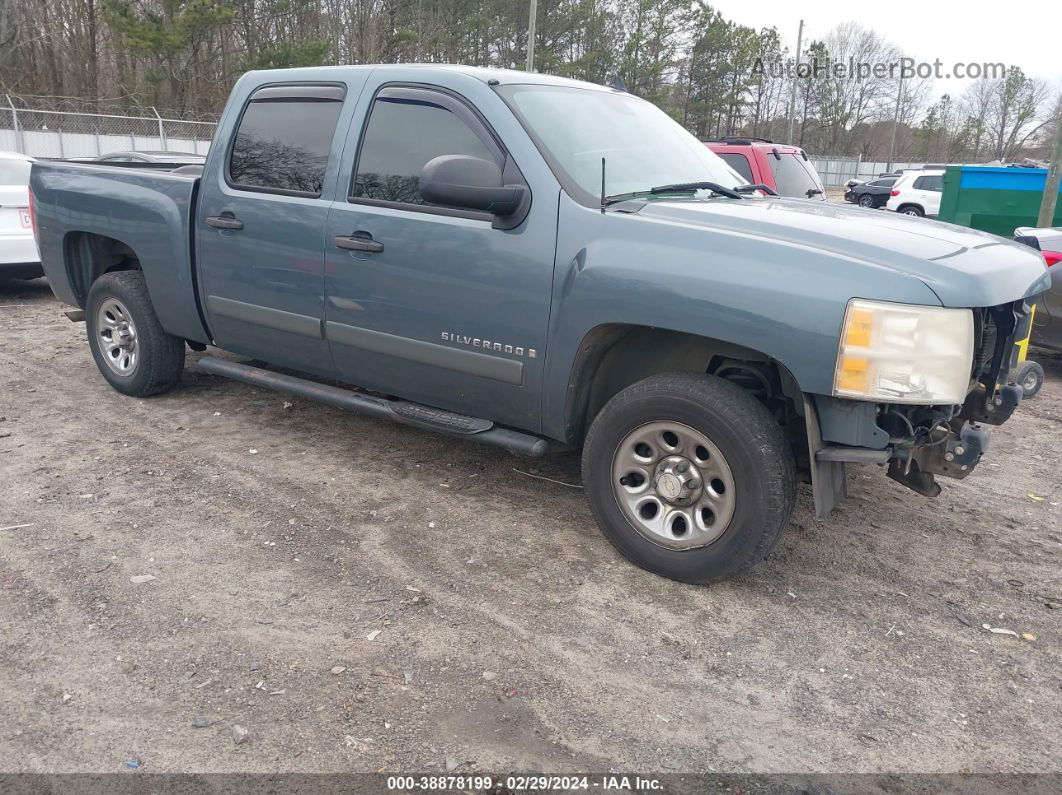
x=400 y=411
x=437 y=419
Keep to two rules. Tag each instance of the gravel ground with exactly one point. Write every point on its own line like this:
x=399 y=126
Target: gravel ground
x=363 y=596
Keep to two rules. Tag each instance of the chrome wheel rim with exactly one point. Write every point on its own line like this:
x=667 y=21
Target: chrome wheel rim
x=865 y=201
x=1029 y=384
x=116 y=334
x=673 y=485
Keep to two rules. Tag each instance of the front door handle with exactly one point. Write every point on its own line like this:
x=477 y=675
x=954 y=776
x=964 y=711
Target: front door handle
x=224 y=222
x=359 y=242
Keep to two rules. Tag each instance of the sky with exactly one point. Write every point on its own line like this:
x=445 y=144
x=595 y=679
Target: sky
x=1027 y=33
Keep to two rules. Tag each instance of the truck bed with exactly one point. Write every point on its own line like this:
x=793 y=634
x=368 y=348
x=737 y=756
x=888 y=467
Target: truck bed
x=151 y=213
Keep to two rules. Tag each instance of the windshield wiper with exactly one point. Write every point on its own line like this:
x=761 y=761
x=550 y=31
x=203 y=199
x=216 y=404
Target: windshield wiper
x=750 y=188
x=687 y=187
x=680 y=187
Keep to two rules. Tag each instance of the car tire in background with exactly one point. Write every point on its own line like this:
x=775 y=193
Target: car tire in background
x=866 y=200
x=689 y=476
x=127 y=341
x=911 y=209
x=1029 y=375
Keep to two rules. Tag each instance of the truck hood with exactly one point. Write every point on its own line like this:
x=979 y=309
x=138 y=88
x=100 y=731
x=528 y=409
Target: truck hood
x=964 y=267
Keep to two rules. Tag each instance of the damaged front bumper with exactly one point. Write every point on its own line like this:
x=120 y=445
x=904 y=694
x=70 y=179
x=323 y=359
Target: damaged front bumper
x=917 y=443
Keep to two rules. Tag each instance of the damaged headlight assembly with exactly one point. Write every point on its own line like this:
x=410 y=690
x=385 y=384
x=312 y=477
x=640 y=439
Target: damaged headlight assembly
x=904 y=353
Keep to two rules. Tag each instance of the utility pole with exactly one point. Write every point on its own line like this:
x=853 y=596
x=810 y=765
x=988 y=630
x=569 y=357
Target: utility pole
x=895 y=122
x=1054 y=174
x=531 y=36
x=793 y=88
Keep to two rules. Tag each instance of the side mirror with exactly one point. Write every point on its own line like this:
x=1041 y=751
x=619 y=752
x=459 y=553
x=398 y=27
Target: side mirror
x=471 y=183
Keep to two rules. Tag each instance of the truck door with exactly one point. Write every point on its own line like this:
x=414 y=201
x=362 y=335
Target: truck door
x=260 y=223
x=434 y=304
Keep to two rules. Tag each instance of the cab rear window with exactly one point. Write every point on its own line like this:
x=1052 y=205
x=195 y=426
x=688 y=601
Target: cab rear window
x=793 y=176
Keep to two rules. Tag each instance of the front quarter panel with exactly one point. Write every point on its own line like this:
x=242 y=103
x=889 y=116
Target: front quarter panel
x=777 y=297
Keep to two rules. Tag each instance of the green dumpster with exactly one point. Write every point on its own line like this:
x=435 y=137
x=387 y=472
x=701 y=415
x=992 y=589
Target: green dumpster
x=994 y=199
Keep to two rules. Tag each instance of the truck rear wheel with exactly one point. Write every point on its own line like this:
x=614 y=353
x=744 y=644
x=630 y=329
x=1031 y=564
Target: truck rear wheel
x=127 y=341
x=689 y=476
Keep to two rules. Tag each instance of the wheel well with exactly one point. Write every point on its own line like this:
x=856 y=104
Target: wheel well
x=89 y=255
x=903 y=206
x=614 y=356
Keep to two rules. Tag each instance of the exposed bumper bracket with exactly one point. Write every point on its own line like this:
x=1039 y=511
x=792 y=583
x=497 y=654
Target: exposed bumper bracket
x=994 y=410
x=853 y=455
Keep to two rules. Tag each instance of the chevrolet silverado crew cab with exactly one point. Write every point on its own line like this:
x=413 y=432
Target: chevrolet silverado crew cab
x=534 y=262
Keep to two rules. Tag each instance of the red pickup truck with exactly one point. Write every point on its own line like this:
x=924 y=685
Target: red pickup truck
x=786 y=169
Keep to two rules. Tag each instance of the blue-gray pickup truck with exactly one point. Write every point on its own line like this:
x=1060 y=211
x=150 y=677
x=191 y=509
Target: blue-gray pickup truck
x=540 y=263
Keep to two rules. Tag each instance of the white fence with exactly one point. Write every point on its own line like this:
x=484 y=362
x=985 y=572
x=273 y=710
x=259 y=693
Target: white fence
x=66 y=134
x=836 y=171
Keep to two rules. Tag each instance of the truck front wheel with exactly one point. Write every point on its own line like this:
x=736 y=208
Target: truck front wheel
x=689 y=476
x=127 y=341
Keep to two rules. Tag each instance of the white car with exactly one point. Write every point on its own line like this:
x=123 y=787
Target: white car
x=18 y=248
x=917 y=193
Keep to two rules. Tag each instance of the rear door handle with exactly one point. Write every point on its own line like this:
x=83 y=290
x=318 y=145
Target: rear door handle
x=224 y=222
x=359 y=242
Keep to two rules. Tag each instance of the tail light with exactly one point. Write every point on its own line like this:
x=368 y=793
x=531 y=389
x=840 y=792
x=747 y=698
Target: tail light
x=894 y=192
x=33 y=213
x=1052 y=257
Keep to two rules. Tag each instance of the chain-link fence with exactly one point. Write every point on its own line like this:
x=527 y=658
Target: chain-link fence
x=73 y=134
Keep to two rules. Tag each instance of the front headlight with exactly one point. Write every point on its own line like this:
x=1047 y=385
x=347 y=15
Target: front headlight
x=901 y=353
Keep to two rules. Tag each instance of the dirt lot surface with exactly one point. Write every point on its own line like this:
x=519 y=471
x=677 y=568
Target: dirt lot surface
x=363 y=596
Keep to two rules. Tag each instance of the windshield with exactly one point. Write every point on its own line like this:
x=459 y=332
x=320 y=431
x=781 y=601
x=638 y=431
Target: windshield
x=643 y=147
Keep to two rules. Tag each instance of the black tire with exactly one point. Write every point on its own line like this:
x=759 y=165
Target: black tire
x=752 y=444
x=160 y=356
x=911 y=209
x=866 y=200
x=1029 y=375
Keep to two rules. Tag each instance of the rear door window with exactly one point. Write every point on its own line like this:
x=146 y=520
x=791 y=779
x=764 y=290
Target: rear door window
x=930 y=182
x=793 y=176
x=284 y=138
x=739 y=163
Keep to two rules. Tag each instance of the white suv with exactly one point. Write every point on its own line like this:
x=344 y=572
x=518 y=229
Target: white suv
x=917 y=193
x=18 y=248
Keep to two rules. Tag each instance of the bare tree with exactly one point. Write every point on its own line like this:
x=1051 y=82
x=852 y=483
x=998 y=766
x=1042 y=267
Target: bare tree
x=715 y=76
